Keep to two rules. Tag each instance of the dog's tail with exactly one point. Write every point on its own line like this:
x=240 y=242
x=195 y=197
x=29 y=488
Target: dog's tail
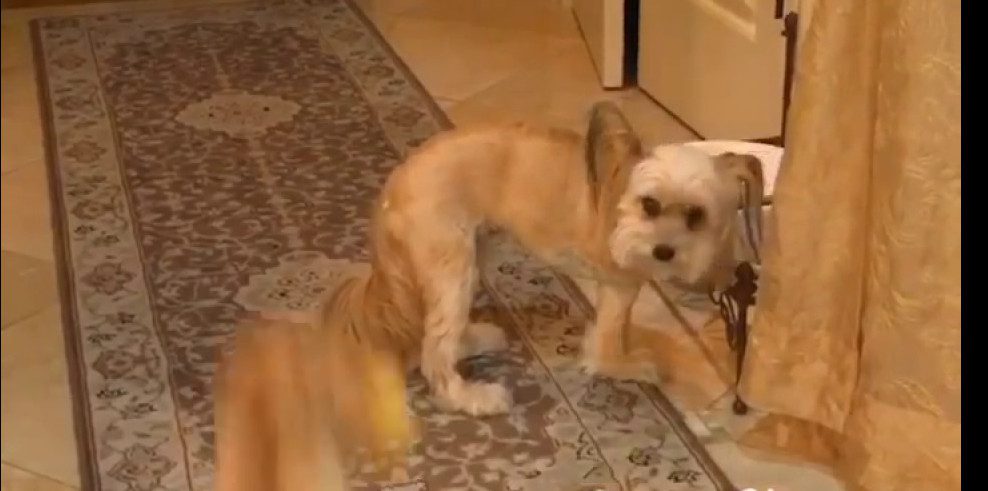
x=380 y=310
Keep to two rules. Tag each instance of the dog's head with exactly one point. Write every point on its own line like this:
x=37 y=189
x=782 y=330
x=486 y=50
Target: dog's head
x=672 y=212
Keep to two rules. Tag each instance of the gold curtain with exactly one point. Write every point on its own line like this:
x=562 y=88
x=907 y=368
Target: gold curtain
x=855 y=347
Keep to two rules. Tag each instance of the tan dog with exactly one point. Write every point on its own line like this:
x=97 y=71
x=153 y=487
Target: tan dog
x=598 y=203
x=295 y=403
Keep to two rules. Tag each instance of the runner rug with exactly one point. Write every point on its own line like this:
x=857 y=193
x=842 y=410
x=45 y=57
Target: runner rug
x=208 y=162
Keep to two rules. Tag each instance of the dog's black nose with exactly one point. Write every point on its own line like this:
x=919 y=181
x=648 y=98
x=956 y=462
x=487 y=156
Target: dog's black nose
x=663 y=252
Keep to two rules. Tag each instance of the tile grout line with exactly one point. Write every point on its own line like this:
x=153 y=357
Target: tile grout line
x=555 y=40
x=487 y=88
x=41 y=311
x=23 y=166
x=38 y=474
x=40 y=274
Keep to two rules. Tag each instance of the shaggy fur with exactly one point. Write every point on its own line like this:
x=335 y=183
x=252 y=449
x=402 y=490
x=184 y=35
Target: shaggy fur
x=569 y=200
x=292 y=395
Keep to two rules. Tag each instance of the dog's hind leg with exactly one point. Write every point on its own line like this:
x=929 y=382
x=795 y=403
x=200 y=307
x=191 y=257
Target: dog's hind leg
x=479 y=338
x=448 y=271
x=482 y=337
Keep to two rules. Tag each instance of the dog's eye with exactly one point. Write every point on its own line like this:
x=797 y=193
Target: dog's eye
x=695 y=217
x=651 y=206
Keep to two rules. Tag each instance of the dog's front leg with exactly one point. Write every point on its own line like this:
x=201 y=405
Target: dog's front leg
x=605 y=345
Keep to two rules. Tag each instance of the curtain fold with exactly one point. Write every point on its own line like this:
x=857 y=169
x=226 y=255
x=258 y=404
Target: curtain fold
x=855 y=347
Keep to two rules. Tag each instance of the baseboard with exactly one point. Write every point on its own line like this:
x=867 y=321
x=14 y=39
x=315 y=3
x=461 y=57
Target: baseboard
x=774 y=140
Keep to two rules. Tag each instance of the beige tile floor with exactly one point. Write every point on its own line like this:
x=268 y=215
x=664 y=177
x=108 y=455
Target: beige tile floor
x=482 y=61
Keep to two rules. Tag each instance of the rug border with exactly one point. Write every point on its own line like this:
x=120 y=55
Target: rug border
x=81 y=416
x=661 y=402
x=444 y=122
x=86 y=457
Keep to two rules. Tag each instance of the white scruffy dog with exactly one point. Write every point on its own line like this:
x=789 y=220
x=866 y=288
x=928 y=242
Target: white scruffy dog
x=596 y=201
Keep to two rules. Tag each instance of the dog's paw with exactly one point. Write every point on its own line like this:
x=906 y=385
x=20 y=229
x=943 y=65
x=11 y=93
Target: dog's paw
x=478 y=399
x=630 y=367
x=486 y=398
x=483 y=337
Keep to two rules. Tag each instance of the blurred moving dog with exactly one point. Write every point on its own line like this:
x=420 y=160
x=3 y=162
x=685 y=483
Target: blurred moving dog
x=292 y=396
x=296 y=402
x=597 y=204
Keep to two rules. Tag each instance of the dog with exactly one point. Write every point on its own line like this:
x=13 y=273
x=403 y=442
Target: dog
x=597 y=204
x=293 y=395
x=296 y=403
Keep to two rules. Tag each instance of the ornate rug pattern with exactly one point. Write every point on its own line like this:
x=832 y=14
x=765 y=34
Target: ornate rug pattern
x=211 y=162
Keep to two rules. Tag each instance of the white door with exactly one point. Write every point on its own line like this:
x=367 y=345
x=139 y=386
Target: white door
x=718 y=65
x=602 y=25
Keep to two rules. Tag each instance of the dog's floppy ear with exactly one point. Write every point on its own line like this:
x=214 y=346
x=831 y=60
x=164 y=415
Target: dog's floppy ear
x=612 y=149
x=744 y=172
